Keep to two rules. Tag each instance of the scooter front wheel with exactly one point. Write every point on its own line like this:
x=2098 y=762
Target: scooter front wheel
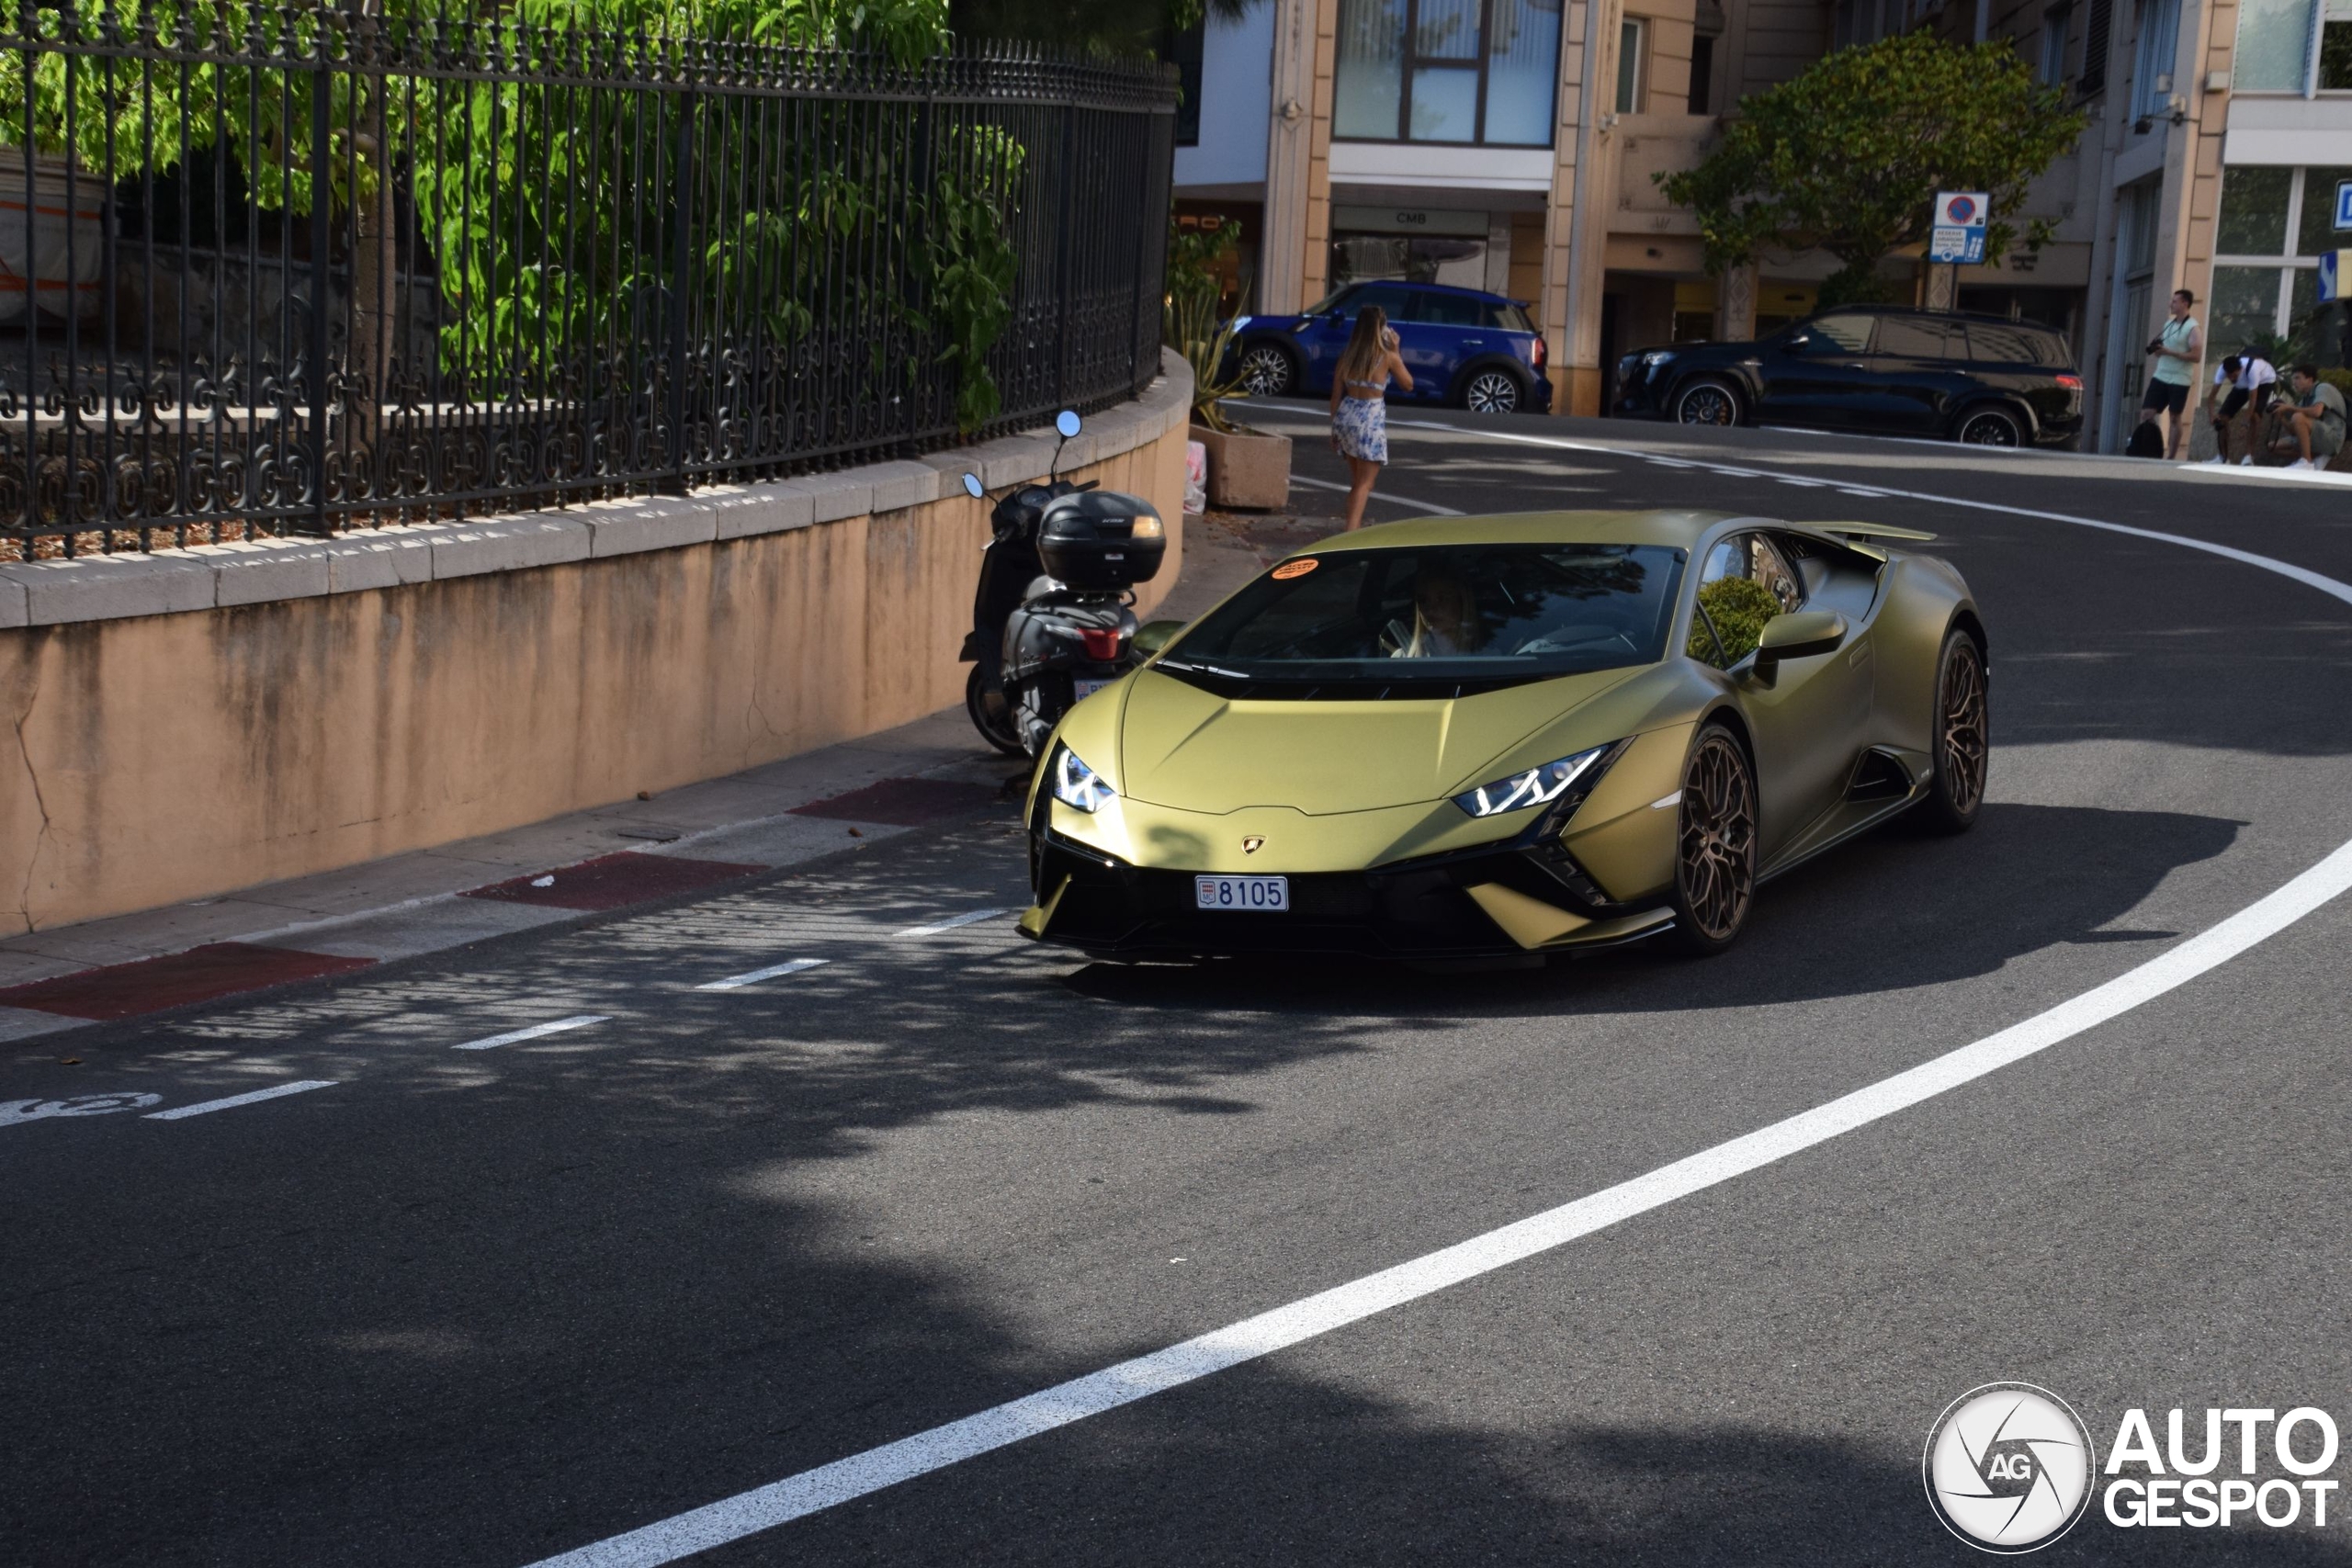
x=997 y=730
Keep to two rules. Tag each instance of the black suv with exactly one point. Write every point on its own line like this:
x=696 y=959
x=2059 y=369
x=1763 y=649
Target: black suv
x=1890 y=372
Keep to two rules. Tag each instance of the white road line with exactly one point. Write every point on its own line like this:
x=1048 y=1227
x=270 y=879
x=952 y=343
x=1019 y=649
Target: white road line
x=949 y=924
x=795 y=1496
x=1380 y=495
x=254 y=1098
x=793 y=966
x=515 y=1036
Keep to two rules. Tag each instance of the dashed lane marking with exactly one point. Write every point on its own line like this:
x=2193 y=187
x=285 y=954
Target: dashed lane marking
x=537 y=1030
x=735 y=982
x=204 y=1106
x=971 y=917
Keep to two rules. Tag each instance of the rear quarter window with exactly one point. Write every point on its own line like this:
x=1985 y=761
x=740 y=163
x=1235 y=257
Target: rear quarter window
x=1992 y=344
x=1914 y=337
x=1508 y=317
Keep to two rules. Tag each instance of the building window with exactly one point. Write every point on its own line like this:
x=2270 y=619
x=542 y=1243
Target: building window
x=2335 y=48
x=2152 y=67
x=1702 y=71
x=2274 y=222
x=1185 y=49
x=2095 y=29
x=2274 y=46
x=2054 y=23
x=1447 y=70
x=1632 y=65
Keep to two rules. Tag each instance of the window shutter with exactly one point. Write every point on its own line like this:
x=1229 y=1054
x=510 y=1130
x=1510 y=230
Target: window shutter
x=2094 y=78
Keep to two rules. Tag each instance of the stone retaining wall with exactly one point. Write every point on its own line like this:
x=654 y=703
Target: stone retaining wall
x=191 y=722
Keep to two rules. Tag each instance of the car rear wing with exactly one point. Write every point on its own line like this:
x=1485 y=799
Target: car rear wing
x=1874 y=530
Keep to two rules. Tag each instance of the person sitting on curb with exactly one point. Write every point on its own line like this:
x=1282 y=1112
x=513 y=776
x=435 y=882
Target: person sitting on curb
x=2311 y=429
x=2240 y=379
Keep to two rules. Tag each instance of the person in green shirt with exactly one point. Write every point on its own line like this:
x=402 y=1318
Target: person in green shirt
x=2309 y=431
x=2177 y=347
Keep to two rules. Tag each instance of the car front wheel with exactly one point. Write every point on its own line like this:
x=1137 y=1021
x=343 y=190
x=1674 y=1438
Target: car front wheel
x=1706 y=402
x=1963 y=722
x=1267 y=370
x=1493 y=391
x=1715 y=858
x=1989 y=427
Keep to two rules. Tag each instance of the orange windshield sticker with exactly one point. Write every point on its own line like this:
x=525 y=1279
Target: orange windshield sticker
x=1291 y=568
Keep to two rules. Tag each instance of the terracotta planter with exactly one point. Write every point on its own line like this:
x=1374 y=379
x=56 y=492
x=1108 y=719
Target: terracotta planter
x=52 y=240
x=1246 y=469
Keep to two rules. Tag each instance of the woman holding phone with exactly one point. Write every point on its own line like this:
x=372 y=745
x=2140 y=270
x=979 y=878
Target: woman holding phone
x=1359 y=406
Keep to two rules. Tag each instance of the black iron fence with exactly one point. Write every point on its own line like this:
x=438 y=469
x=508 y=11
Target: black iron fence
x=271 y=271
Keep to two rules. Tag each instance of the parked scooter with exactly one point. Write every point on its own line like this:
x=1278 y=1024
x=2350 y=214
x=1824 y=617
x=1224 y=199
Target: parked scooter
x=1054 y=619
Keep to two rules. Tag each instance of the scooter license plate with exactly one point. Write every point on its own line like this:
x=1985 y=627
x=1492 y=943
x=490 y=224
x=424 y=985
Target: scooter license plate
x=1086 y=689
x=1264 y=895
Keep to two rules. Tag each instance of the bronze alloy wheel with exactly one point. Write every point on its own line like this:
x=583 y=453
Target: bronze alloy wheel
x=1962 y=748
x=1714 y=872
x=1706 y=402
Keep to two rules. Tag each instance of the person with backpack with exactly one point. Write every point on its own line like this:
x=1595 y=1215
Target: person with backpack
x=2177 y=347
x=2241 y=379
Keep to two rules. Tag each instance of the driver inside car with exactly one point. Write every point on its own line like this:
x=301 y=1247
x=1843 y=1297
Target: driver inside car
x=1446 y=619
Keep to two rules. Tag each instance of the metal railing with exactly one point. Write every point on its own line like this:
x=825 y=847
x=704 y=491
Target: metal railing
x=268 y=271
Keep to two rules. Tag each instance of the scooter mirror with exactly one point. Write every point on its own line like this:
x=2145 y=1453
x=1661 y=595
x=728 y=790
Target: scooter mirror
x=972 y=488
x=1066 y=422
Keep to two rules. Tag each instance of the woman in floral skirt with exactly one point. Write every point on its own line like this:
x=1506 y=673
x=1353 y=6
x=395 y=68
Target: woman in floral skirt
x=1359 y=406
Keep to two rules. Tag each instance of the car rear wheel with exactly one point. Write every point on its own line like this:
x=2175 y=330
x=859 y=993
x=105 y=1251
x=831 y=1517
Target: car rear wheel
x=1714 y=861
x=1267 y=370
x=1706 y=402
x=1494 y=392
x=1962 y=716
x=1989 y=427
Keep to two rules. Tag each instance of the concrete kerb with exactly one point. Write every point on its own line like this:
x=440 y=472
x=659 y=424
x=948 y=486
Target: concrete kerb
x=106 y=588
x=625 y=526
x=381 y=558
x=256 y=571
x=509 y=544
x=743 y=510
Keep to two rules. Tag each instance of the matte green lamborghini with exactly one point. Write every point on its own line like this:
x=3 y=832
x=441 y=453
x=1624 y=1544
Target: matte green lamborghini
x=1466 y=737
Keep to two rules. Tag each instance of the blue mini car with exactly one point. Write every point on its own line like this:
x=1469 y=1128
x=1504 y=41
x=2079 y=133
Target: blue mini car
x=1464 y=348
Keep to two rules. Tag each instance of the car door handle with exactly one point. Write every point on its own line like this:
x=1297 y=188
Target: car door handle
x=1473 y=342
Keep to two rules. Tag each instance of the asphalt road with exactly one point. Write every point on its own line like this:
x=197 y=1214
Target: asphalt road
x=483 y=1307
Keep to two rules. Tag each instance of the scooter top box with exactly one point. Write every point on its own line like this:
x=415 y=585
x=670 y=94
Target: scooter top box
x=1101 y=540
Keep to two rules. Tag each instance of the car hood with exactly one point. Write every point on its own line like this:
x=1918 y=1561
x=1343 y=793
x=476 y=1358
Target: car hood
x=1183 y=747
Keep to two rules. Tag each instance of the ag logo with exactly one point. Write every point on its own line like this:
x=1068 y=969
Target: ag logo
x=2008 y=1468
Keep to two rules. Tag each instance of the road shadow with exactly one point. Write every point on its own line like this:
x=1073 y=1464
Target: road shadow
x=1892 y=911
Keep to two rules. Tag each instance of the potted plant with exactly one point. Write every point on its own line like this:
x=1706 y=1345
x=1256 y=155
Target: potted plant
x=1247 y=468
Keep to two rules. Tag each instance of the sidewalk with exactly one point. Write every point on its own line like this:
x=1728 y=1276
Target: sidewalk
x=827 y=802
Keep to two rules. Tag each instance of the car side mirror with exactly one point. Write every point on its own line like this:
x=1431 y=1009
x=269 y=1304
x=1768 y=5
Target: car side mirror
x=1153 y=636
x=1805 y=634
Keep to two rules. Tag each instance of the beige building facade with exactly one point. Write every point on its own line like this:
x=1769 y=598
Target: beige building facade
x=1514 y=145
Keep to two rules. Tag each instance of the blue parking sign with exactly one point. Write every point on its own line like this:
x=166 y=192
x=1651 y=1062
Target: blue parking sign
x=2343 y=203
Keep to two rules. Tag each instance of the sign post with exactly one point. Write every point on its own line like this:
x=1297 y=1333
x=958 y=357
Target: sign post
x=1957 y=240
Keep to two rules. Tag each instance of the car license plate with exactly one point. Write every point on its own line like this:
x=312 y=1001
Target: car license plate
x=1260 y=893
x=1087 y=688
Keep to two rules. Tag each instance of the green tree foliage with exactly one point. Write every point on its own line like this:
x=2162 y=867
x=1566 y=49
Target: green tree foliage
x=1737 y=609
x=550 y=206
x=1112 y=27
x=1847 y=156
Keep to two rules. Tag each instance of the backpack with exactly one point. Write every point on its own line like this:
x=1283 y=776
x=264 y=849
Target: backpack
x=2147 y=440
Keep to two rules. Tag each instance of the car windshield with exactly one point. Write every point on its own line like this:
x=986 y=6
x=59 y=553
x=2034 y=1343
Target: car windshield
x=1445 y=615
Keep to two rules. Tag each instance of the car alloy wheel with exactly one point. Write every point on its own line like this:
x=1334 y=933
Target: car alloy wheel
x=1266 y=371
x=1492 y=391
x=1709 y=403
x=1962 y=750
x=1714 y=870
x=1989 y=427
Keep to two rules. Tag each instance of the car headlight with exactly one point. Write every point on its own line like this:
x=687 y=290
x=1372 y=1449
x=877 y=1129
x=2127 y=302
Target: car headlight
x=1656 y=357
x=1240 y=322
x=1076 y=784
x=1533 y=787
